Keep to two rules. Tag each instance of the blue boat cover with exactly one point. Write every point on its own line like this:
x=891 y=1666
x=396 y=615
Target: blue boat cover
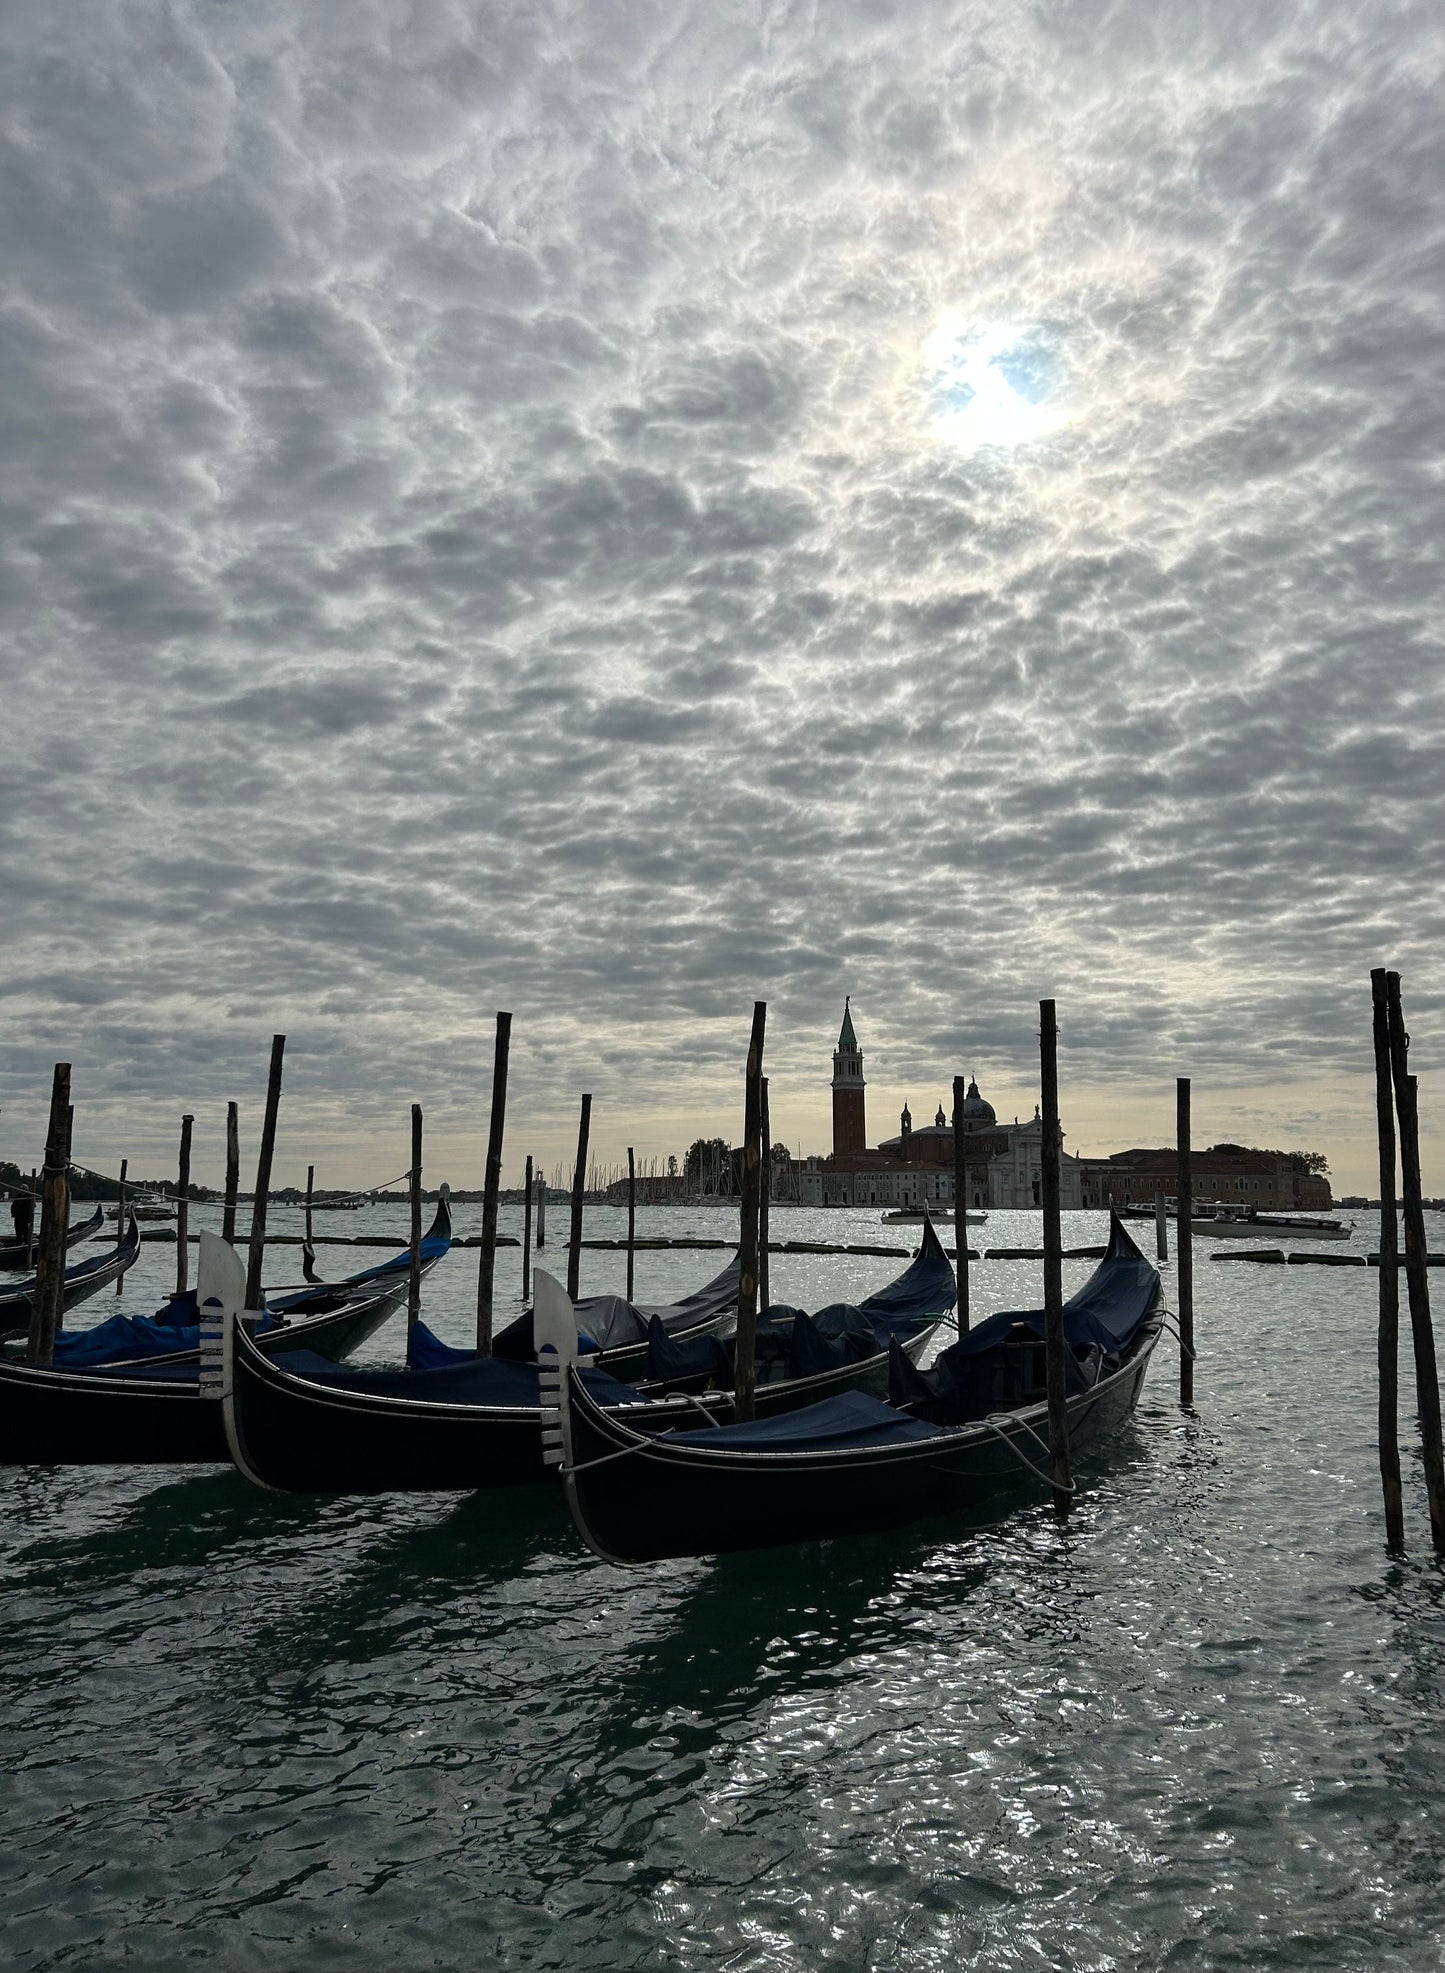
x=975 y=1376
x=925 y=1290
x=425 y=1350
x=695 y=1360
x=477 y=1380
x=609 y=1322
x=851 y=1419
x=123 y=1338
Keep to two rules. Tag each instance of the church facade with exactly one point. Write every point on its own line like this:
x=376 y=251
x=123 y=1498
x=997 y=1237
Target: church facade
x=1003 y=1163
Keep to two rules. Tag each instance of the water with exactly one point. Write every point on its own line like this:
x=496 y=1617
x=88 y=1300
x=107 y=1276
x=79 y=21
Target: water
x=1198 y=1728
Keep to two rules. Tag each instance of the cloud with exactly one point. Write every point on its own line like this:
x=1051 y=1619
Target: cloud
x=479 y=532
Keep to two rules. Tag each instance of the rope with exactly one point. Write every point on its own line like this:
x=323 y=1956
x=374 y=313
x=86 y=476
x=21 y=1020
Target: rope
x=1173 y=1328
x=606 y=1458
x=138 y=1188
x=1048 y=1479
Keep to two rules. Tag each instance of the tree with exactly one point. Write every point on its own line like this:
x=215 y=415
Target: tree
x=707 y=1162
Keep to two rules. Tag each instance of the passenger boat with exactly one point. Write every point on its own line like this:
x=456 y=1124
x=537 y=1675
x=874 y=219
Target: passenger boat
x=1233 y=1221
x=296 y=1424
x=921 y=1216
x=976 y=1422
x=21 y=1253
x=141 y=1403
x=84 y=1279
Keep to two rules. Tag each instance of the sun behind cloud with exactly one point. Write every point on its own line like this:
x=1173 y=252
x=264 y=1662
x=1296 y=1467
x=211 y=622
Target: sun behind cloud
x=992 y=384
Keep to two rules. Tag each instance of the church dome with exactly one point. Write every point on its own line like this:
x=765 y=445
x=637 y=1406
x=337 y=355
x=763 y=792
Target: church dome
x=977 y=1114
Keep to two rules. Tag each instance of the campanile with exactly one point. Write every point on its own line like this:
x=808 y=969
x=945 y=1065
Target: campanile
x=850 y=1131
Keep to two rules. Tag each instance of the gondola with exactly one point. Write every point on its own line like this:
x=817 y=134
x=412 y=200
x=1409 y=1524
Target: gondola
x=148 y=1411
x=976 y=1422
x=299 y=1425
x=20 y=1253
x=329 y=1318
x=85 y=1279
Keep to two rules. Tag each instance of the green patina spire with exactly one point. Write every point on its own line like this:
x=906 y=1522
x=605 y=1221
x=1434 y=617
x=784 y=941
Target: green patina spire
x=846 y=1037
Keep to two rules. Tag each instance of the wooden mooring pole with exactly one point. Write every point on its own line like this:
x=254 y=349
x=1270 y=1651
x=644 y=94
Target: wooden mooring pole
x=527 y=1234
x=765 y=1194
x=120 y=1219
x=1388 y=1343
x=1161 y=1230
x=579 y=1181
x=48 y=1302
x=310 y=1197
x=183 y=1208
x=541 y=1210
x=1054 y=1345
x=746 y=1344
x=631 y=1223
x=256 y=1255
x=233 y=1174
x=491 y=1185
x=960 y=1201
x=1184 y=1235
x=1417 y=1280
x=413 y=1278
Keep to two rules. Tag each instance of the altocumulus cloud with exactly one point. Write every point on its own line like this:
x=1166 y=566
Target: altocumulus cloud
x=608 y=511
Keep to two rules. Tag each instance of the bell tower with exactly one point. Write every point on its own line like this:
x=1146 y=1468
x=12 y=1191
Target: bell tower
x=850 y=1130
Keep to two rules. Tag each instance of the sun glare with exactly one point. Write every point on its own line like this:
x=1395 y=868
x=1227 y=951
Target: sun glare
x=991 y=385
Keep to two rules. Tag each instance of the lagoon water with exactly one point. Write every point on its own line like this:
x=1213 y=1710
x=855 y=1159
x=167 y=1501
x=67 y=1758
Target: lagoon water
x=1201 y=1726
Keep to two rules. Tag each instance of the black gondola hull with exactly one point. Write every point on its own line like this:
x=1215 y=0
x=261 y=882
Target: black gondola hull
x=298 y=1436
x=658 y=1501
x=76 y=1418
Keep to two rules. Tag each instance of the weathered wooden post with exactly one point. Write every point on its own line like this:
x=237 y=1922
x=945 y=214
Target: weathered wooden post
x=960 y=1201
x=1055 y=1376
x=631 y=1223
x=579 y=1176
x=120 y=1219
x=1184 y=1235
x=233 y=1174
x=413 y=1278
x=1388 y=1345
x=1161 y=1229
x=765 y=1195
x=256 y=1254
x=1417 y=1280
x=32 y=1251
x=310 y=1196
x=527 y=1234
x=491 y=1185
x=183 y=1208
x=541 y=1210
x=48 y=1303
x=746 y=1343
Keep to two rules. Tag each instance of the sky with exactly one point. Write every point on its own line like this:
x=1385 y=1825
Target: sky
x=617 y=511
